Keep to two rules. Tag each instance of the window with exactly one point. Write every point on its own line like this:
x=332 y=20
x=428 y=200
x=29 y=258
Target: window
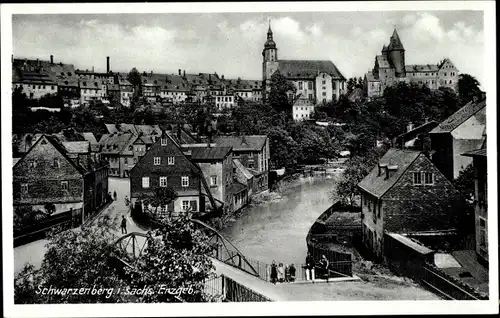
x=145 y=182
x=163 y=181
x=52 y=87
x=310 y=96
x=157 y=161
x=194 y=205
x=185 y=181
x=56 y=163
x=324 y=93
x=213 y=180
x=300 y=85
x=64 y=185
x=417 y=178
x=428 y=178
x=135 y=161
x=163 y=141
x=126 y=161
x=185 y=205
x=323 y=82
x=171 y=160
x=24 y=188
x=309 y=85
x=251 y=163
x=333 y=85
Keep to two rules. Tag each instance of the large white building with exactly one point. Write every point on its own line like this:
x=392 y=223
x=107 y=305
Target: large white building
x=317 y=80
x=303 y=109
x=390 y=68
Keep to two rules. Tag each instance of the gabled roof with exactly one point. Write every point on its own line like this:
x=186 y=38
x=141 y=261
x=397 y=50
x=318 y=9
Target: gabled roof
x=243 y=85
x=207 y=153
x=379 y=185
x=424 y=128
x=356 y=94
x=241 y=143
x=111 y=128
x=148 y=129
x=424 y=250
x=459 y=117
x=90 y=138
x=303 y=101
x=308 y=68
x=115 y=143
x=382 y=61
x=371 y=78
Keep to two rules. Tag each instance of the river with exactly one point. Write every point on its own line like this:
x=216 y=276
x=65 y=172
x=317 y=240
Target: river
x=277 y=230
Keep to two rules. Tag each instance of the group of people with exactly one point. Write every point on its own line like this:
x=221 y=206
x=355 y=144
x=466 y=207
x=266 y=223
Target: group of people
x=322 y=267
x=282 y=273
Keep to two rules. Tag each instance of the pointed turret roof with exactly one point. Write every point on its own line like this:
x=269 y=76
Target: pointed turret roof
x=270 y=44
x=395 y=43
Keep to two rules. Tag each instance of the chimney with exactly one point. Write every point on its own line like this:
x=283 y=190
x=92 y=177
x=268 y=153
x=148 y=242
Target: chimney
x=188 y=153
x=222 y=77
x=409 y=127
x=92 y=69
x=107 y=64
x=184 y=73
x=52 y=59
x=180 y=72
x=389 y=170
x=380 y=167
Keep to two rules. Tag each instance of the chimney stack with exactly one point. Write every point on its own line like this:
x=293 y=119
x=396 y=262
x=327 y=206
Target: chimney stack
x=222 y=77
x=107 y=64
x=380 y=166
x=180 y=72
x=390 y=169
x=52 y=59
x=184 y=73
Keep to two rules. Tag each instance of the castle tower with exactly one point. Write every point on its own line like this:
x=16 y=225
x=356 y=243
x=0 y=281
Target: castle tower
x=269 y=63
x=396 y=54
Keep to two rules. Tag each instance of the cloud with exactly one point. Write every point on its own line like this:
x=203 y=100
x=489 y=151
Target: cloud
x=233 y=46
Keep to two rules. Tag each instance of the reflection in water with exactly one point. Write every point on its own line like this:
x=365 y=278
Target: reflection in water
x=277 y=230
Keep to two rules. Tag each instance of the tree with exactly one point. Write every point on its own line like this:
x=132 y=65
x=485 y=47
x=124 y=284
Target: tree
x=134 y=77
x=284 y=150
x=468 y=87
x=79 y=258
x=162 y=196
x=279 y=93
x=346 y=190
x=177 y=259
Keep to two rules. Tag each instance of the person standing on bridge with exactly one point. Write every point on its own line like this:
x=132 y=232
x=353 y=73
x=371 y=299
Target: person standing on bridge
x=292 y=273
x=274 y=273
x=114 y=195
x=324 y=264
x=281 y=273
x=124 y=225
x=310 y=267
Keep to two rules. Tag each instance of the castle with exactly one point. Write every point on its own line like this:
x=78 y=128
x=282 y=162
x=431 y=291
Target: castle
x=319 y=81
x=390 y=68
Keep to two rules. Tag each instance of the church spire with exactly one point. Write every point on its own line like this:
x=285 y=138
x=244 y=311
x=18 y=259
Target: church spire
x=269 y=31
x=395 y=41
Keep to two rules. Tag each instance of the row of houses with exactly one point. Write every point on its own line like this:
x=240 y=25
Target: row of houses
x=410 y=193
x=71 y=169
x=77 y=87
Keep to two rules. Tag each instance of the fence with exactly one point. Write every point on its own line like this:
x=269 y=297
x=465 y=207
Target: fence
x=39 y=230
x=222 y=288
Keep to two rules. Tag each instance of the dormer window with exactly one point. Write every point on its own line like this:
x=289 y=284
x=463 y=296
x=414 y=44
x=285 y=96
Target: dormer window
x=163 y=141
x=56 y=163
x=417 y=178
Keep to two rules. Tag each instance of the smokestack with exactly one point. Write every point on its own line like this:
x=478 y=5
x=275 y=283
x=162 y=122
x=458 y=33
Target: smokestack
x=107 y=64
x=92 y=69
x=184 y=73
x=52 y=59
x=222 y=77
x=180 y=72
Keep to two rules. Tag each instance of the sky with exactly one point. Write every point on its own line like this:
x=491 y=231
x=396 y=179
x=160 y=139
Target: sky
x=232 y=43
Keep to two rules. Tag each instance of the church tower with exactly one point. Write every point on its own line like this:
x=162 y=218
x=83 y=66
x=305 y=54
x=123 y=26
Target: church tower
x=270 y=62
x=396 y=54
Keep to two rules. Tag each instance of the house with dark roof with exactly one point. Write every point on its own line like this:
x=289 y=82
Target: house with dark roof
x=303 y=109
x=174 y=89
x=318 y=80
x=463 y=131
x=405 y=193
x=390 y=68
x=416 y=138
x=39 y=77
x=90 y=91
x=63 y=174
x=247 y=90
x=167 y=164
x=253 y=153
x=122 y=151
x=480 y=163
x=217 y=168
